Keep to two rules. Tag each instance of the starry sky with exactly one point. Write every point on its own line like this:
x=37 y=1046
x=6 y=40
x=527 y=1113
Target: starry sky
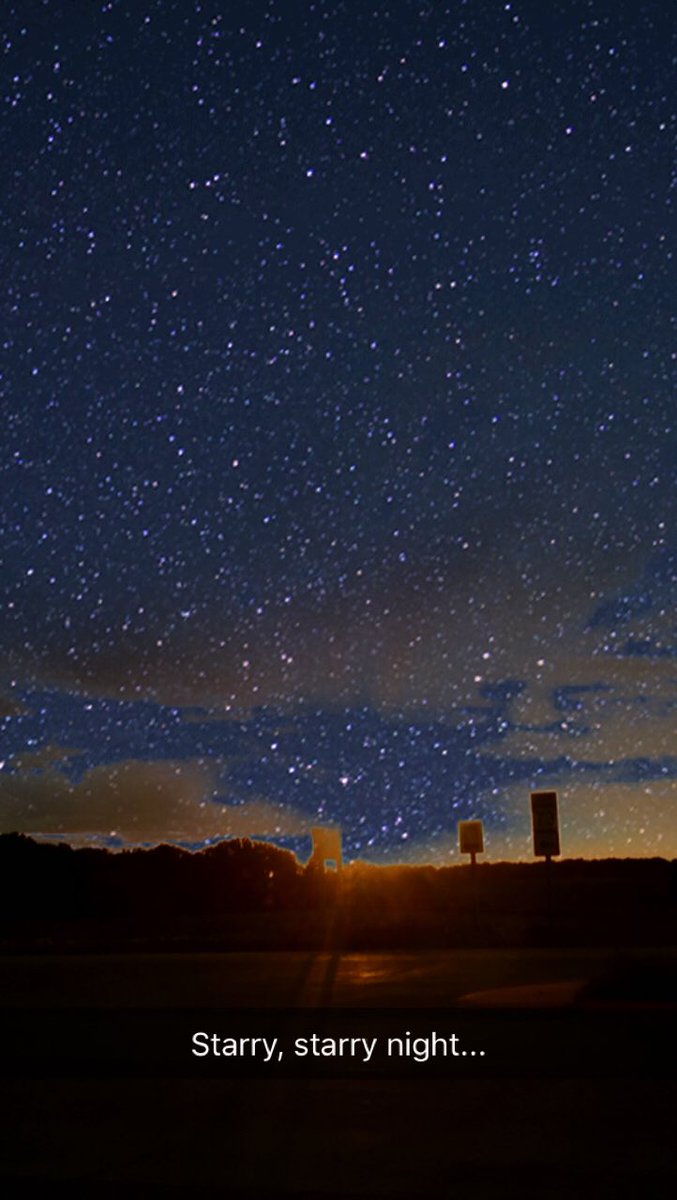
x=338 y=436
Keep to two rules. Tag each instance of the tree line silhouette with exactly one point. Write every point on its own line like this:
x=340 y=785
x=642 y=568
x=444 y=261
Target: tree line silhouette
x=249 y=893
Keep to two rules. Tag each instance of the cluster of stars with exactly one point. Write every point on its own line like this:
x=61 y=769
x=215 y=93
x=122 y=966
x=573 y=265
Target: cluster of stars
x=336 y=379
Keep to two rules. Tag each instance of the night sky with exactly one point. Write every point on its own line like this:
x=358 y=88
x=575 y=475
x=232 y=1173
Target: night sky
x=338 y=435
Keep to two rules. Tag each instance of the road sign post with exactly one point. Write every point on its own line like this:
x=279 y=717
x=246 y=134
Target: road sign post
x=327 y=846
x=545 y=830
x=545 y=824
x=471 y=841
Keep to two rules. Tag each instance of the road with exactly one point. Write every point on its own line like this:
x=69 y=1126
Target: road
x=496 y=1137
x=430 y=979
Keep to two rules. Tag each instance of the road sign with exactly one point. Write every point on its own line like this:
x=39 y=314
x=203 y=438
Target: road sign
x=545 y=824
x=326 y=846
x=471 y=837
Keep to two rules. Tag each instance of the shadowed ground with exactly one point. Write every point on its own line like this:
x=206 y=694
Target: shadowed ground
x=279 y=979
x=305 y=1137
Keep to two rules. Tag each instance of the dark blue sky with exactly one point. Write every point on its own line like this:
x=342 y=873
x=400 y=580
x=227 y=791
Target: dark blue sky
x=339 y=435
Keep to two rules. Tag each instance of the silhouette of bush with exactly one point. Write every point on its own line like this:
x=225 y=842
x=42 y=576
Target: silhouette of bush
x=232 y=880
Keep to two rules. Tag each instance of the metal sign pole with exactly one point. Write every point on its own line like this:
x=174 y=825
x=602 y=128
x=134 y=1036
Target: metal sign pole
x=545 y=829
x=471 y=841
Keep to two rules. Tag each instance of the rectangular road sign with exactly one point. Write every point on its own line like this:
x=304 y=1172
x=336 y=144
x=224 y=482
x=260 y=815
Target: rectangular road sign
x=327 y=844
x=471 y=837
x=545 y=824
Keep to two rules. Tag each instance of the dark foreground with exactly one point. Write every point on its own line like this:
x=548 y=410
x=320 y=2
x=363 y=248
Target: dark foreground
x=576 y=1096
x=485 y=1138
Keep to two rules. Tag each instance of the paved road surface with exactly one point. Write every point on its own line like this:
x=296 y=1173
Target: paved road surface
x=432 y=979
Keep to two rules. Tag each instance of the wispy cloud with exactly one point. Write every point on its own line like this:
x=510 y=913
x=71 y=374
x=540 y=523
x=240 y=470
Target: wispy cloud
x=137 y=802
